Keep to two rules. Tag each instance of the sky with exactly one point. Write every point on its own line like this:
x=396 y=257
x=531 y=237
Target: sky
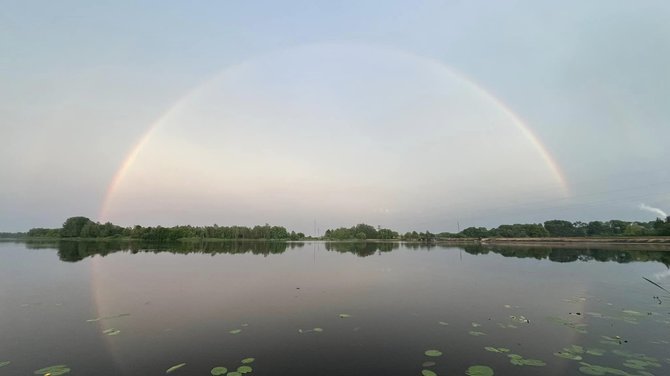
x=429 y=115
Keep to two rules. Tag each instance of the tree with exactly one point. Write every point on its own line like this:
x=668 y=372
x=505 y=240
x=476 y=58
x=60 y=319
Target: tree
x=476 y=232
x=559 y=228
x=73 y=226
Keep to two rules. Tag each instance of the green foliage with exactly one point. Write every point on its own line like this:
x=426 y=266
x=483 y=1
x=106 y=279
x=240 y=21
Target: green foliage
x=559 y=228
x=662 y=228
x=476 y=232
x=82 y=227
x=520 y=231
x=12 y=235
x=73 y=226
x=361 y=231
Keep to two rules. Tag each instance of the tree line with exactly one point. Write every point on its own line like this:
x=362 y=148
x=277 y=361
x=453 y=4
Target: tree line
x=561 y=228
x=82 y=227
x=553 y=228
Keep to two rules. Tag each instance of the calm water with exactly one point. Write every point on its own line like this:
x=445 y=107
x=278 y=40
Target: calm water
x=179 y=305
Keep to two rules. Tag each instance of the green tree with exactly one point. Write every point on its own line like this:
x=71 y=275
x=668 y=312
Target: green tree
x=73 y=226
x=559 y=228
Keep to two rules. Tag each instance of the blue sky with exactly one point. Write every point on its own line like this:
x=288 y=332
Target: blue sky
x=81 y=82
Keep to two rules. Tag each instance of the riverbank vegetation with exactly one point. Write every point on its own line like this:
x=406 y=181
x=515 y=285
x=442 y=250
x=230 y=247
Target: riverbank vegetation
x=84 y=228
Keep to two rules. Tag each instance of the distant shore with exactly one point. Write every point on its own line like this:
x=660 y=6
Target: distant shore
x=613 y=240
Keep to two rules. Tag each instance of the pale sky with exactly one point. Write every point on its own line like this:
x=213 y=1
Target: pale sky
x=409 y=115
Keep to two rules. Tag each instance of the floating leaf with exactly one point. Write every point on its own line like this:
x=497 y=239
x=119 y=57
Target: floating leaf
x=592 y=369
x=218 y=371
x=248 y=360
x=568 y=355
x=244 y=325
x=235 y=331
x=344 y=315
x=111 y=332
x=428 y=364
x=427 y=372
x=578 y=327
x=476 y=334
x=58 y=372
x=534 y=363
x=496 y=349
x=518 y=360
x=596 y=352
x=175 y=367
x=318 y=330
x=521 y=319
x=108 y=317
x=476 y=325
x=433 y=353
x=574 y=349
x=5 y=363
x=51 y=369
x=244 y=369
x=443 y=323
x=479 y=371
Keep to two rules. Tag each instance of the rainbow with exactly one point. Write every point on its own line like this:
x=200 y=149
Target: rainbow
x=522 y=126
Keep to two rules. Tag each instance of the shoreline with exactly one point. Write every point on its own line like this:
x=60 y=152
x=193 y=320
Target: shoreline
x=646 y=240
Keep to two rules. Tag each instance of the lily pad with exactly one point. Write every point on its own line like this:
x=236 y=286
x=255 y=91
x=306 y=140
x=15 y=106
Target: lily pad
x=595 y=351
x=58 y=372
x=218 y=371
x=108 y=317
x=476 y=334
x=319 y=330
x=248 y=360
x=593 y=369
x=5 y=363
x=235 y=331
x=576 y=326
x=344 y=315
x=443 y=323
x=428 y=364
x=427 y=372
x=52 y=370
x=519 y=360
x=244 y=369
x=476 y=325
x=479 y=371
x=175 y=367
x=433 y=353
x=521 y=319
x=568 y=355
x=496 y=349
x=111 y=332
x=574 y=349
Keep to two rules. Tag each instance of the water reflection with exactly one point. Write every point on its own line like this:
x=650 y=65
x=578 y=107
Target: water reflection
x=174 y=303
x=563 y=254
x=73 y=251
